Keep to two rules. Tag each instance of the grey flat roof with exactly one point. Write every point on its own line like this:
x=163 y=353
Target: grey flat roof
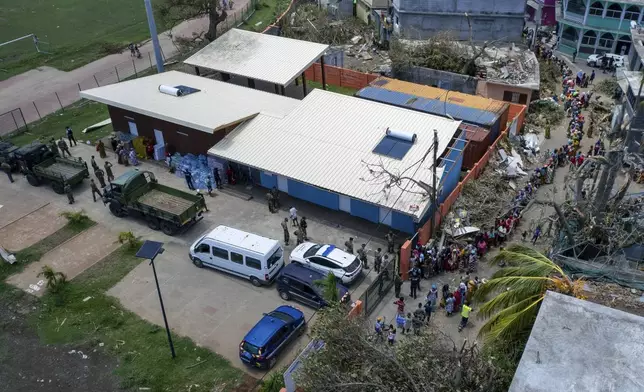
x=580 y=346
x=258 y=56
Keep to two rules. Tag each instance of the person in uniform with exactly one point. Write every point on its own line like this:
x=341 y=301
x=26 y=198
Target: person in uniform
x=285 y=228
x=390 y=242
x=69 y=193
x=217 y=178
x=95 y=190
x=7 y=169
x=101 y=149
x=377 y=260
x=53 y=147
x=276 y=198
x=299 y=234
x=64 y=149
x=271 y=202
x=100 y=175
x=188 y=176
x=303 y=226
x=349 y=245
x=94 y=164
x=362 y=255
x=108 y=171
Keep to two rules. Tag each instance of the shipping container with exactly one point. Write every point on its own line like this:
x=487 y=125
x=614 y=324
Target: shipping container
x=479 y=140
x=440 y=108
x=455 y=97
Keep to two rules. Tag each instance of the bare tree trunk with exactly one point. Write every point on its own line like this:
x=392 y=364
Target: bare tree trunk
x=607 y=181
x=564 y=222
x=214 y=18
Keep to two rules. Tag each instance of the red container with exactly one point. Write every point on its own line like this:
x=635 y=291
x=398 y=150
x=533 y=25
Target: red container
x=478 y=141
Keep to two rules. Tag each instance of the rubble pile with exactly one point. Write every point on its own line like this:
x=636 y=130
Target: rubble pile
x=510 y=64
x=439 y=52
x=615 y=296
x=550 y=76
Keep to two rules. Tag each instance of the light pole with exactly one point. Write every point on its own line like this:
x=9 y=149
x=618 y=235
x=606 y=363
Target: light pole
x=153 y=34
x=150 y=250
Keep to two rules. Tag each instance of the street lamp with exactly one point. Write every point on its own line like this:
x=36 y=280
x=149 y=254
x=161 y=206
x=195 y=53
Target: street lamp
x=150 y=250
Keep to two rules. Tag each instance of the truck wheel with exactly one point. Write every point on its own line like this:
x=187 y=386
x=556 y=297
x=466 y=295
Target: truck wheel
x=116 y=209
x=168 y=228
x=58 y=187
x=33 y=180
x=153 y=223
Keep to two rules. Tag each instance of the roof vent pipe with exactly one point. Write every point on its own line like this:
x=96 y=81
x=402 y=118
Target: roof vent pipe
x=165 y=89
x=402 y=135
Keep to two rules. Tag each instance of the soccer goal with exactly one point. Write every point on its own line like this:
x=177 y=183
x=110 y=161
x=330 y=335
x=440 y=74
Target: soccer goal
x=24 y=43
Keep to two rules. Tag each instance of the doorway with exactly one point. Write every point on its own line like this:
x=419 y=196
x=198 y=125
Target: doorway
x=133 y=130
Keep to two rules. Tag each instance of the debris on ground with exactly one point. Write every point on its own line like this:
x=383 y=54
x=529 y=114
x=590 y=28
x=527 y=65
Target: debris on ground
x=606 y=86
x=544 y=112
x=310 y=23
x=550 y=78
x=615 y=296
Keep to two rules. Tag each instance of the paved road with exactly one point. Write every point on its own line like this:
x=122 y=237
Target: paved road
x=41 y=84
x=212 y=308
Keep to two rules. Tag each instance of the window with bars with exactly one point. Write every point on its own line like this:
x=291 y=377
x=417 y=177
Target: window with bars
x=614 y=11
x=589 y=38
x=606 y=41
x=596 y=9
x=632 y=13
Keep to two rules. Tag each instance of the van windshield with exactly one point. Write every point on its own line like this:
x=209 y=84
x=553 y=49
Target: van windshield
x=275 y=257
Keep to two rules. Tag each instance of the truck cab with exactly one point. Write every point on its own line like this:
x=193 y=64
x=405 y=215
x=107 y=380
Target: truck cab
x=32 y=154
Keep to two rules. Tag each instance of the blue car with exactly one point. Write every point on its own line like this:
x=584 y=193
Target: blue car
x=268 y=338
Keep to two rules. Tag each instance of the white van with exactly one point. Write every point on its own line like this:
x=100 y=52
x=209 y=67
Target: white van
x=239 y=253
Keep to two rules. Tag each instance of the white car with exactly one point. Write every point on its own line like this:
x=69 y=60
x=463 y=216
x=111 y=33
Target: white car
x=328 y=258
x=595 y=60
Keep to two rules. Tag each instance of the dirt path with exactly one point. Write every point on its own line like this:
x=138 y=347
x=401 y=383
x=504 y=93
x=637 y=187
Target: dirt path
x=42 y=84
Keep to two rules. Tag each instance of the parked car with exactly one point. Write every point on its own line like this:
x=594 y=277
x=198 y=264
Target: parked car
x=237 y=252
x=299 y=283
x=268 y=338
x=328 y=258
x=595 y=60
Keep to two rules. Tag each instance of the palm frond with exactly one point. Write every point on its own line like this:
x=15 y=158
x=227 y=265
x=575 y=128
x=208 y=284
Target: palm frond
x=527 y=285
x=510 y=310
x=509 y=326
x=519 y=255
x=536 y=269
x=503 y=301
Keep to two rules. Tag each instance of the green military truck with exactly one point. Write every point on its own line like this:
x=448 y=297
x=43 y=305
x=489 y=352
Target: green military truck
x=167 y=209
x=40 y=165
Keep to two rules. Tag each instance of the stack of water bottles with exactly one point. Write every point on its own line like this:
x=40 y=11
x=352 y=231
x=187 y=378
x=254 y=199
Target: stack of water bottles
x=199 y=167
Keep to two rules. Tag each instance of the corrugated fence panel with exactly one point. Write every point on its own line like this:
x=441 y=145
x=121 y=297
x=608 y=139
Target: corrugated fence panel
x=337 y=76
x=313 y=194
x=364 y=210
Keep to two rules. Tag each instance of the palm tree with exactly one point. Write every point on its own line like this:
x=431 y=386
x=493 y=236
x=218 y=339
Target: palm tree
x=520 y=287
x=55 y=280
x=329 y=288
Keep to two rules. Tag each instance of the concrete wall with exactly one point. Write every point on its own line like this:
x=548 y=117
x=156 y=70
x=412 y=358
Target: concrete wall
x=441 y=79
x=492 y=19
x=181 y=139
x=497 y=91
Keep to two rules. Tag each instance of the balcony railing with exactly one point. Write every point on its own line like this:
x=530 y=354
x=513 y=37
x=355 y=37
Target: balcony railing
x=574 y=17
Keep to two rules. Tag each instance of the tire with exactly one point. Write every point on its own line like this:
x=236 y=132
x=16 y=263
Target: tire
x=153 y=222
x=116 y=209
x=592 y=64
x=33 y=180
x=285 y=295
x=256 y=282
x=272 y=362
x=198 y=263
x=58 y=188
x=168 y=228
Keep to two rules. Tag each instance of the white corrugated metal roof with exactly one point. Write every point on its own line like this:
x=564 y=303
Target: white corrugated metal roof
x=258 y=56
x=217 y=105
x=326 y=140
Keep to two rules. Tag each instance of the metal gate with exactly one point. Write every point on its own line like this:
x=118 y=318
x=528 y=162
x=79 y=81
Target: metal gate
x=379 y=288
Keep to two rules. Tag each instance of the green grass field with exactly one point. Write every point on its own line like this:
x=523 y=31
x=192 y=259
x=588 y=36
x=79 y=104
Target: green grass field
x=78 y=31
x=266 y=12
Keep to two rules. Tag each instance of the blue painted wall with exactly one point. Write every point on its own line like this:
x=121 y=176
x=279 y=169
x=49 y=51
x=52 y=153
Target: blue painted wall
x=267 y=180
x=364 y=210
x=452 y=166
x=402 y=222
x=315 y=195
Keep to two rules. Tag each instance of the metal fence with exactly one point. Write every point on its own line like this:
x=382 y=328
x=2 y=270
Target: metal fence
x=19 y=118
x=378 y=289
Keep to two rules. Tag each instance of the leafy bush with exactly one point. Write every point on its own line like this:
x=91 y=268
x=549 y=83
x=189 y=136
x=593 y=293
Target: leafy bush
x=274 y=382
x=127 y=237
x=76 y=218
x=55 y=280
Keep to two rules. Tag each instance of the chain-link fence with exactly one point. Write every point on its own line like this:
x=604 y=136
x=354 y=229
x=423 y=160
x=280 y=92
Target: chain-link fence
x=17 y=119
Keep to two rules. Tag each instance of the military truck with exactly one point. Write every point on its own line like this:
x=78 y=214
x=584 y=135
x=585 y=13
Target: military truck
x=41 y=165
x=138 y=193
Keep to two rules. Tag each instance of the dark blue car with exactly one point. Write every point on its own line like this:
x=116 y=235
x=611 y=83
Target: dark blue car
x=298 y=282
x=268 y=338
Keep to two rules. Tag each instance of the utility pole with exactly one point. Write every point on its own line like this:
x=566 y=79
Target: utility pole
x=153 y=34
x=434 y=191
x=636 y=111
